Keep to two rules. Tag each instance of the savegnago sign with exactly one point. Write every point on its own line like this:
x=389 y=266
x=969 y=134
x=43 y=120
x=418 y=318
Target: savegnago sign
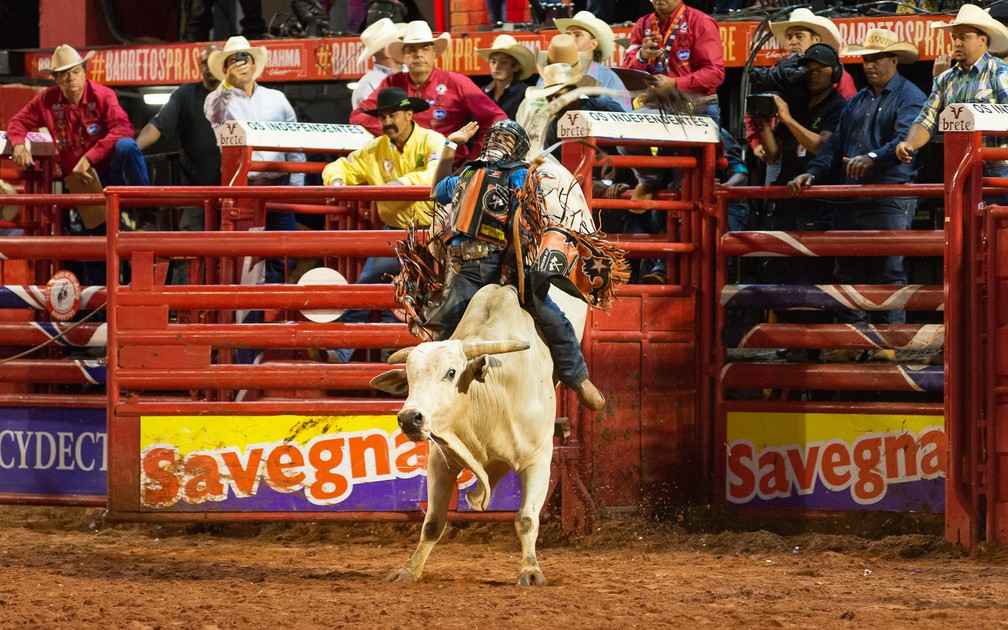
x=284 y=463
x=836 y=461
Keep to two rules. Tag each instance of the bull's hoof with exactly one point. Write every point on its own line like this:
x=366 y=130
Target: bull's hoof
x=531 y=577
x=402 y=576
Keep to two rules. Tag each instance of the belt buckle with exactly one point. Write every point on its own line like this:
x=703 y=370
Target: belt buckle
x=473 y=250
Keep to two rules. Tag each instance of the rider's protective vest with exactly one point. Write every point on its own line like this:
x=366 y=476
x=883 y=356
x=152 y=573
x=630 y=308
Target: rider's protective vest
x=481 y=203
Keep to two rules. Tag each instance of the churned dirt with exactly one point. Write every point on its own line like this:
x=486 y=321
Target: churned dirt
x=64 y=568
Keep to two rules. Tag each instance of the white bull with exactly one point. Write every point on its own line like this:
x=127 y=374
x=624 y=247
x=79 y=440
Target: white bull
x=485 y=411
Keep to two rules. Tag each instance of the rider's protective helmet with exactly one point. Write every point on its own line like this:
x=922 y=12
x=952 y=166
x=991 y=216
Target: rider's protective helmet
x=506 y=141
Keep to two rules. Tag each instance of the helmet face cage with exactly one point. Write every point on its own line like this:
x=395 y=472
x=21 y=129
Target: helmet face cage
x=505 y=141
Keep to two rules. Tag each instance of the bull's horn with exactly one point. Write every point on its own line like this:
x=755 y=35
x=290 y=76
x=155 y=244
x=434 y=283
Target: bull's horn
x=473 y=349
x=399 y=356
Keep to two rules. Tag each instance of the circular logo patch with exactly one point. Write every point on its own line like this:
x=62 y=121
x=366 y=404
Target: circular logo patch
x=440 y=114
x=62 y=295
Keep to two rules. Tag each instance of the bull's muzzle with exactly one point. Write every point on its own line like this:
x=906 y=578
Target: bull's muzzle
x=411 y=422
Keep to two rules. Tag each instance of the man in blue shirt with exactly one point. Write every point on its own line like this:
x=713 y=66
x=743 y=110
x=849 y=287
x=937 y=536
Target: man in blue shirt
x=478 y=230
x=862 y=150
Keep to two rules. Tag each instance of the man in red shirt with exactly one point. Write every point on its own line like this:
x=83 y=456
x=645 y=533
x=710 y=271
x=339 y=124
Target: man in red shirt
x=454 y=99
x=681 y=47
x=94 y=143
x=92 y=134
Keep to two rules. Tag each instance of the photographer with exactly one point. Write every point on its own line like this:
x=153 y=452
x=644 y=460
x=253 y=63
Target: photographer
x=801 y=132
x=802 y=29
x=797 y=138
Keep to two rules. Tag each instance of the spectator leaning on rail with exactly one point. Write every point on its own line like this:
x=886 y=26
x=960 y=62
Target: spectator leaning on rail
x=240 y=97
x=454 y=99
x=978 y=77
x=681 y=47
x=92 y=135
x=182 y=119
x=594 y=38
x=510 y=64
x=405 y=155
x=862 y=150
x=376 y=39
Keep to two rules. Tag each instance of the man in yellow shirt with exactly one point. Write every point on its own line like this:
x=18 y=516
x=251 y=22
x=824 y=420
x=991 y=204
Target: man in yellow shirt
x=405 y=155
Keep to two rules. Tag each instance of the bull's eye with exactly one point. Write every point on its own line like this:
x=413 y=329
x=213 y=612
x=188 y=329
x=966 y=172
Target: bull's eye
x=450 y=374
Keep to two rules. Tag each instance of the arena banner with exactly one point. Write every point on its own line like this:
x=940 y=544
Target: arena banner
x=324 y=59
x=836 y=461
x=53 y=451
x=290 y=463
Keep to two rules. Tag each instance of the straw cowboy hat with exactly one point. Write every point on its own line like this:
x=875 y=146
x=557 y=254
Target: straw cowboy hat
x=980 y=19
x=236 y=44
x=599 y=30
x=379 y=35
x=563 y=48
x=64 y=58
x=418 y=32
x=557 y=76
x=510 y=46
x=880 y=40
x=823 y=27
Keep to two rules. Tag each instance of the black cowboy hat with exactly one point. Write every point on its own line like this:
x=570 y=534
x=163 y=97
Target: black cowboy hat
x=394 y=98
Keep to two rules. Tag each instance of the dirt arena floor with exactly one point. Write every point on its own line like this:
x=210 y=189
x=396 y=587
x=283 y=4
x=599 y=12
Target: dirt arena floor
x=63 y=568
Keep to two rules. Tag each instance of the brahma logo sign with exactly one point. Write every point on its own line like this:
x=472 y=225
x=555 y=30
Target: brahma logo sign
x=281 y=463
x=825 y=461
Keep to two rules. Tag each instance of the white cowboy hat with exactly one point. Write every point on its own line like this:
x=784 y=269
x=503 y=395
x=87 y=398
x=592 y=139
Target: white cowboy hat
x=236 y=44
x=980 y=19
x=418 y=32
x=510 y=46
x=563 y=48
x=379 y=35
x=322 y=275
x=64 y=58
x=823 y=27
x=599 y=29
x=879 y=40
x=557 y=76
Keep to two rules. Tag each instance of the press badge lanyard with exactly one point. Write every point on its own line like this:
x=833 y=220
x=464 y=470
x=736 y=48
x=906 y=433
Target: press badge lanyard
x=668 y=57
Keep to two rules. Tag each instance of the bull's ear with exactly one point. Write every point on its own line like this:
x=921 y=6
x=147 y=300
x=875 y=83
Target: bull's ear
x=394 y=382
x=477 y=370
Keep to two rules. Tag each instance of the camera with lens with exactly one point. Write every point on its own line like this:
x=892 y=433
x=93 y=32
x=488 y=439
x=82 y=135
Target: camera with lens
x=787 y=78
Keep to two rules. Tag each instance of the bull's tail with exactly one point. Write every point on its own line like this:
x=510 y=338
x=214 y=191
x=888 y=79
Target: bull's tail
x=479 y=497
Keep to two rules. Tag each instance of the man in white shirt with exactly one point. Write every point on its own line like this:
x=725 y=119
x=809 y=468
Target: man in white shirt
x=240 y=97
x=375 y=38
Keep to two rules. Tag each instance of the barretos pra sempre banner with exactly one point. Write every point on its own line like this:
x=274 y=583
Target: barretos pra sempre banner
x=53 y=451
x=836 y=461
x=290 y=463
x=337 y=58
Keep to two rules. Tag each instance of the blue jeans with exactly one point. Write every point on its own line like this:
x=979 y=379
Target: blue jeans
x=873 y=214
x=375 y=271
x=556 y=329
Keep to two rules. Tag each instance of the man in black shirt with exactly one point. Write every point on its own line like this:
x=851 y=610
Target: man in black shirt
x=798 y=136
x=182 y=119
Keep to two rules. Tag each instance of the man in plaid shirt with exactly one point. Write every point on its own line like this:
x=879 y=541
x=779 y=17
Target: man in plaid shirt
x=977 y=77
